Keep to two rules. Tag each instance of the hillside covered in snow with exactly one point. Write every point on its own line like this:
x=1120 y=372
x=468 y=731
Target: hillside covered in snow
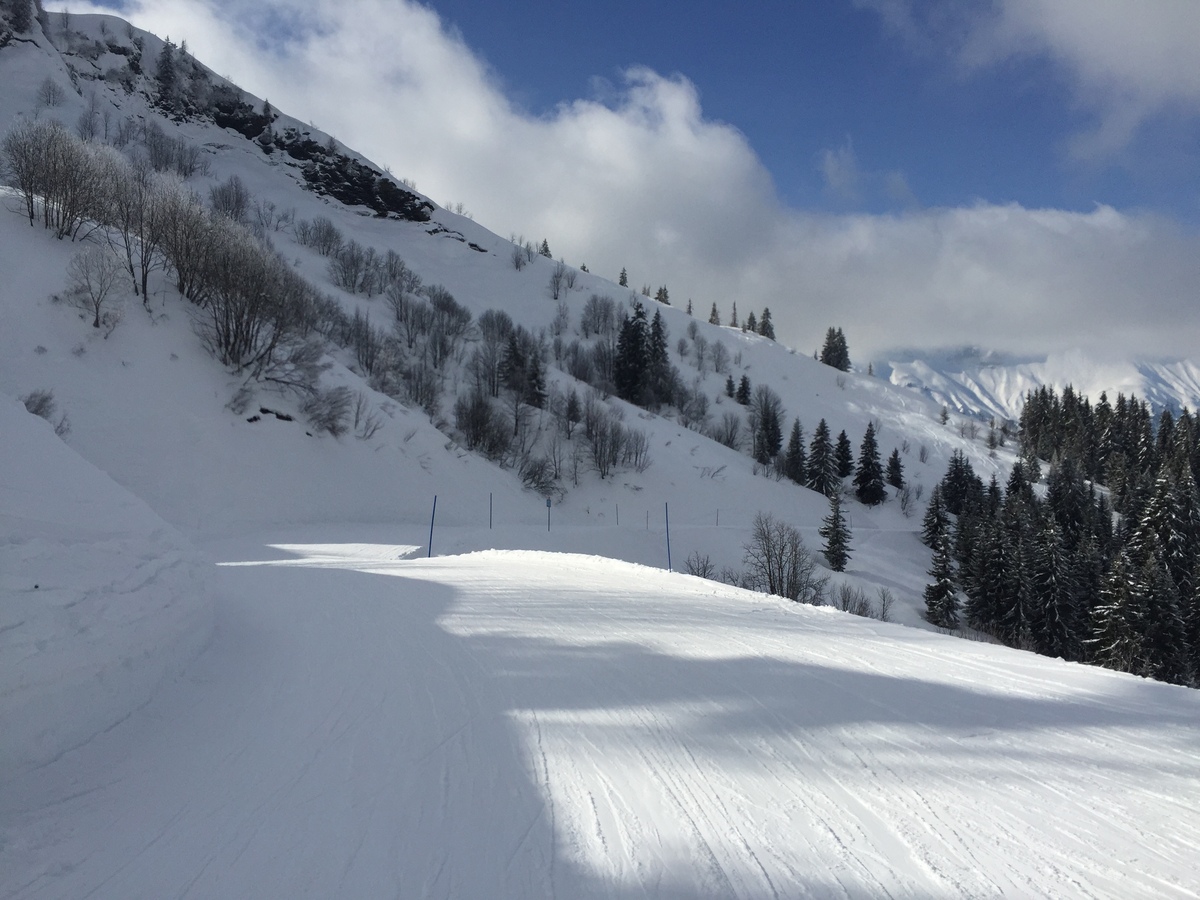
x=352 y=564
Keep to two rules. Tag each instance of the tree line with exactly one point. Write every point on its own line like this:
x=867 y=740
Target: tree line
x=1105 y=573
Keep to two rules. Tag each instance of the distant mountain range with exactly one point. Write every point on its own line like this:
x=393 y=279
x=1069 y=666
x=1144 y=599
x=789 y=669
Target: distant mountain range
x=984 y=383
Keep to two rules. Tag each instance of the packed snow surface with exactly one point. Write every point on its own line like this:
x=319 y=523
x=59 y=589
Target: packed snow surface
x=368 y=723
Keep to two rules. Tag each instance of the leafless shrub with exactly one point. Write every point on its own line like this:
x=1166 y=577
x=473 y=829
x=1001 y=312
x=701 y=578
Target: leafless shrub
x=907 y=501
x=728 y=430
x=50 y=93
x=778 y=563
x=518 y=258
x=42 y=403
x=231 y=199
x=883 y=607
x=537 y=474
x=329 y=410
x=853 y=600
x=635 y=450
x=700 y=565
x=366 y=419
x=923 y=454
x=570 y=277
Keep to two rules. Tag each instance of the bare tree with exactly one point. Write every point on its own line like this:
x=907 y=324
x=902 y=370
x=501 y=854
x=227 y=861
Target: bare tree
x=94 y=273
x=50 y=93
x=558 y=277
x=231 y=199
x=778 y=563
x=136 y=213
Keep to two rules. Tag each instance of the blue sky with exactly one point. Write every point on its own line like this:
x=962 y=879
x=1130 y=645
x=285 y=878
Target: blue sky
x=1017 y=174
x=801 y=78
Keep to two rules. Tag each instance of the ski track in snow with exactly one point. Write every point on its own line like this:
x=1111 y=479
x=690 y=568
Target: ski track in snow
x=521 y=724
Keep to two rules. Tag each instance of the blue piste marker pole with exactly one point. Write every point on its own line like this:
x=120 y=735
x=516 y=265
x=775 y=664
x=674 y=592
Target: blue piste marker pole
x=667 y=513
x=432 y=516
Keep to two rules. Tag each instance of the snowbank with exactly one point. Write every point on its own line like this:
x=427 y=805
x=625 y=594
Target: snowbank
x=100 y=600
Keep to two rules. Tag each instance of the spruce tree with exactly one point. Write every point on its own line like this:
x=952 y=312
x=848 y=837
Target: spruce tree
x=743 y=391
x=1052 y=615
x=689 y=306
x=836 y=533
x=632 y=363
x=868 y=480
x=660 y=372
x=1118 y=622
x=733 y=320
x=714 y=318
x=765 y=328
x=535 y=382
x=936 y=523
x=895 y=470
x=730 y=387
x=662 y=296
x=843 y=454
x=941 y=601
x=544 y=250
x=795 y=464
x=623 y=278
x=165 y=73
x=834 y=352
x=751 y=323
x=822 y=467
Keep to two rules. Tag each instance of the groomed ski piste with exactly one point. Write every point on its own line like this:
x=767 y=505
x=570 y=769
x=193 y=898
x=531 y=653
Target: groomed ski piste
x=235 y=660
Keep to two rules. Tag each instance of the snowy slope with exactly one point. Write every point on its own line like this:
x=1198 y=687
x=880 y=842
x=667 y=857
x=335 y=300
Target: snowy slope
x=519 y=724
x=100 y=600
x=515 y=722
x=983 y=384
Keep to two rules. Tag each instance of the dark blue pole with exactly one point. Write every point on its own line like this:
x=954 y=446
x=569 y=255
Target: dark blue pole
x=667 y=512
x=431 y=518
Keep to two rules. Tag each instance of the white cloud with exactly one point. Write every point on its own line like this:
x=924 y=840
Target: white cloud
x=643 y=180
x=842 y=175
x=1126 y=60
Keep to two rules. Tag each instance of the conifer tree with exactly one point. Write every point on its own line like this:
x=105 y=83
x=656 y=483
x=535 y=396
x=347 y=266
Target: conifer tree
x=835 y=352
x=733 y=320
x=165 y=73
x=868 y=480
x=730 y=387
x=714 y=318
x=689 y=306
x=1118 y=622
x=836 y=533
x=765 y=327
x=660 y=372
x=822 y=467
x=623 y=278
x=751 y=324
x=843 y=454
x=1052 y=615
x=941 y=600
x=743 y=391
x=535 y=382
x=795 y=463
x=631 y=366
x=544 y=250
x=662 y=296
x=895 y=470
x=936 y=523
